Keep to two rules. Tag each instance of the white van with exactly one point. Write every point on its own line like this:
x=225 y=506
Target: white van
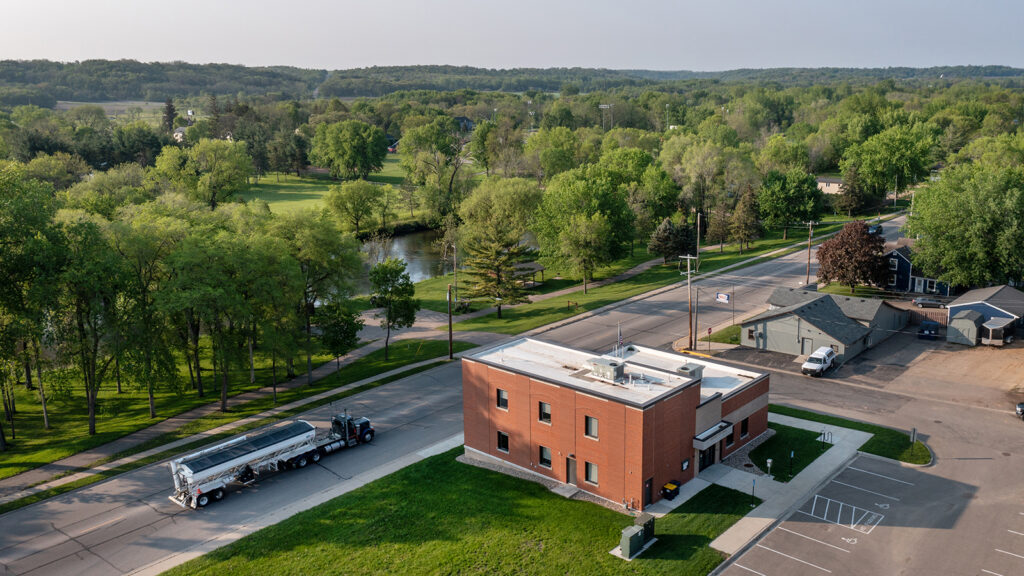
x=820 y=361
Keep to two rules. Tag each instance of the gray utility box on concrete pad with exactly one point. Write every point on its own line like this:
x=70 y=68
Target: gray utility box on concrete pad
x=632 y=541
x=645 y=521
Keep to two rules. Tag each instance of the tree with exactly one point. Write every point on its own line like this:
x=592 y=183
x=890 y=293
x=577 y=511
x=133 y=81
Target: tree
x=61 y=169
x=788 y=198
x=351 y=149
x=718 y=226
x=503 y=205
x=211 y=172
x=671 y=241
x=491 y=266
x=851 y=197
x=478 y=146
x=852 y=257
x=555 y=149
x=354 y=202
x=90 y=284
x=287 y=152
x=170 y=113
x=969 y=225
x=135 y=142
x=744 y=225
x=144 y=239
x=780 y=154
x=328 y=262
x=432 y=156
x=892 y=159
x=583 y=243
x=395 y=294
x=339 y=328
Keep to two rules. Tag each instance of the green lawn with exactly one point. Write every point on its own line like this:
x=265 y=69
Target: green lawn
x=886 y=442
x=393 y=173
x=116 y=414
x=473 y=522
x=862 y=291
x=729 y=335
x=802 y=443
x=288 y=192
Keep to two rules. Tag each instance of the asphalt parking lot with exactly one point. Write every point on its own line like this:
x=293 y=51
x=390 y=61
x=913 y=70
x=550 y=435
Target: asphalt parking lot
x=855 y=523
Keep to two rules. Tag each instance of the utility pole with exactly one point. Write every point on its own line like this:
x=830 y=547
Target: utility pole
x=450 y=351
x=810 y=232
x=689 y=299
x=696 y=319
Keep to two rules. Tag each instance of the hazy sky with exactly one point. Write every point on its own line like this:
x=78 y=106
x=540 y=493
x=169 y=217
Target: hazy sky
x=649 y=34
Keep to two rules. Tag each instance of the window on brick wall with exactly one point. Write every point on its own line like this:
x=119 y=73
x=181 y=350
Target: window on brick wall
x=544 y=412
x=730 y=439
x=591 y=472
x=503 y=442
x=545 y=457
x=590 y=427
x=745 y=428
x=502 y=399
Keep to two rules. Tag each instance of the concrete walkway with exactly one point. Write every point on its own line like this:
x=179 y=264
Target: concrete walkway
x=779 y=499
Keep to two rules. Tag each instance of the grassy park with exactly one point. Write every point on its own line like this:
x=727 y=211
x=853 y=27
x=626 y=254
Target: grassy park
x=405 y=523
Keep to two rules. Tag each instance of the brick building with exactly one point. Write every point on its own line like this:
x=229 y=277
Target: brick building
x=618 y=426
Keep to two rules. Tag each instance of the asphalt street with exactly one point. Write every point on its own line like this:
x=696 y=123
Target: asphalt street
x=661 y=319
x=128 y=522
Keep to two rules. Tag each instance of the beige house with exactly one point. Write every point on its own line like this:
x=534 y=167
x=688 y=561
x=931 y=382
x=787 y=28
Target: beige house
x=829 y=184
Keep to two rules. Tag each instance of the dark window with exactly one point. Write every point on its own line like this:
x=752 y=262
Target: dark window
x=545 y=456
x=591 y=427
x=591 y=473
x=893 y=263
x=750 y=333
x=730 y=439
x=892 y=279
x=503 y=442
x=744 y=427
x=544 y=412
x=502 y=399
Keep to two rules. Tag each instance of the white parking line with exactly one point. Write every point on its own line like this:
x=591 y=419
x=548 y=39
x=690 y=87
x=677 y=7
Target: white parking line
x=866 y=490
x=881 y=476
x=990 y=572
x=1010 y=553
x=793 y=558
x=748 y=569
x=813 y=540
x=1015 y=532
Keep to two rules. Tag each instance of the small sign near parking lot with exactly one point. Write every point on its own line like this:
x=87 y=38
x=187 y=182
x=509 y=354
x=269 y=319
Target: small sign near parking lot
x=722 y=297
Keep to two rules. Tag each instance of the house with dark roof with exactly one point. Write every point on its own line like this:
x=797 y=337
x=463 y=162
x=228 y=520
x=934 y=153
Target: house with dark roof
x=803 y=327
x=1001 y=308
x=830 y=184
x=882 y=318
x=903 y=277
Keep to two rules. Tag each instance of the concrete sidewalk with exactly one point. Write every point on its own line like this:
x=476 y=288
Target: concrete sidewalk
x=779 y=499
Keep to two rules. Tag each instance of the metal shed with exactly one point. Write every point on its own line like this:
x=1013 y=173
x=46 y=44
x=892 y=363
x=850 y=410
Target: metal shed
x=965 y=327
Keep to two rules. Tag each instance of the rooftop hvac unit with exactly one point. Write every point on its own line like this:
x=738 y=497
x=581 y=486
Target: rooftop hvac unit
x=607 y=369
x=694 y=371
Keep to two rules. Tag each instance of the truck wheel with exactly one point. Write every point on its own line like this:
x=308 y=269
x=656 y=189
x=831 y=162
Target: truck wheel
x=202 y=500
x=218 y=494
x=301 y=462
x=368 y=437
x=316 y=456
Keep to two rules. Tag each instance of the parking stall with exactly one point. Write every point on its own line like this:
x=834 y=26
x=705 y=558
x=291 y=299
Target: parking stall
x=846 y=528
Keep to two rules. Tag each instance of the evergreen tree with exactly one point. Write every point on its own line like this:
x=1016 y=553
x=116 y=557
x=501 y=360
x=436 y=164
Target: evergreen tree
x=491 y=267
x=170 y=113
x=745 y=226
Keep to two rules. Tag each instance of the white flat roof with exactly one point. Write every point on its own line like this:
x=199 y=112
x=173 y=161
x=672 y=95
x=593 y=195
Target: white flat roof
x=649 y=374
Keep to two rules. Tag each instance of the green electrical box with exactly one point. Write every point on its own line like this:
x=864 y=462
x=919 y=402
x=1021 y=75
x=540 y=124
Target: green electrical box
x=646 y=521
x=632 y=541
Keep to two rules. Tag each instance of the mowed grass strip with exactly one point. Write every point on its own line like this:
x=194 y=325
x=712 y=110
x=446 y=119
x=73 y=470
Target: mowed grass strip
x=727 y=335
x=803 y=444
x=439 y=516
x=886 y=442
x=206 y=441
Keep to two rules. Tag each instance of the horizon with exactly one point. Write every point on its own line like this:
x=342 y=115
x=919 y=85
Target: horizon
x=655 y=35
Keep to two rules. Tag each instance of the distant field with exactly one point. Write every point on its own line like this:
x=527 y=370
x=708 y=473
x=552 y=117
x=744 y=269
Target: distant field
x=124 y=110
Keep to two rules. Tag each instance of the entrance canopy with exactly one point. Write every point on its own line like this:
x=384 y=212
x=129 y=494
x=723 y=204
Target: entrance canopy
x=712 y=436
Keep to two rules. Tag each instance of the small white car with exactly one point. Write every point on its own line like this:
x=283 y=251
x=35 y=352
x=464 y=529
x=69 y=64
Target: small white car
x=819 y=362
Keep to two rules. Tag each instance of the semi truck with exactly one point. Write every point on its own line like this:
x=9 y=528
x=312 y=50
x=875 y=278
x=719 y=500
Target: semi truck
x=203 y=477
